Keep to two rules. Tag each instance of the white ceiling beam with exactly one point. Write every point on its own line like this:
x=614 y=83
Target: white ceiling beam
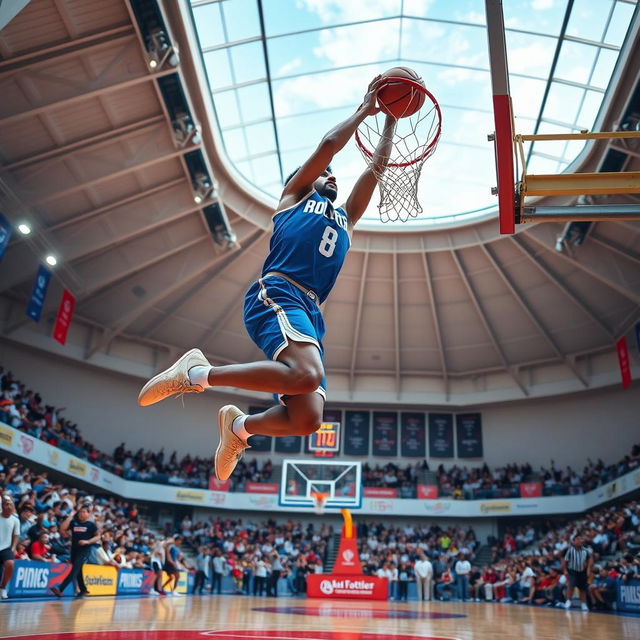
x=396 y=319
x=358 y=319
x=435 y=317
x=619 y=287
x=80 y=96
x=485 y=322
x=95 y=142
x=198 y=275
x=530 y=313
x=561 y=285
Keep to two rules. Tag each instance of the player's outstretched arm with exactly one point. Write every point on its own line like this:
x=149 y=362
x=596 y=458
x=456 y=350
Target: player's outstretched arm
x=333 y=141
x=360 y=197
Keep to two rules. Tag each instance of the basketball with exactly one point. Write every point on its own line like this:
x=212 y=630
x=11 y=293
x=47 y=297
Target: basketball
x=398 y=98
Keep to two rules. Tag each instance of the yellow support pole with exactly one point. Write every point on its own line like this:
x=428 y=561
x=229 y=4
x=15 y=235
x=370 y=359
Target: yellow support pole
x=348 y=523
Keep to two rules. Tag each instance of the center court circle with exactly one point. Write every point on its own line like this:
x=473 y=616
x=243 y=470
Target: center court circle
x=242 y=634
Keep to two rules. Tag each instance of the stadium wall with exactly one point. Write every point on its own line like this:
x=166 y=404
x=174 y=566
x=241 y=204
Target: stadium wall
x=570 y=428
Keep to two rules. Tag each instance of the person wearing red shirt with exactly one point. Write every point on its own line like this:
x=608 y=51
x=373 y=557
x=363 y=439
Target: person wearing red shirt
x=41 y=549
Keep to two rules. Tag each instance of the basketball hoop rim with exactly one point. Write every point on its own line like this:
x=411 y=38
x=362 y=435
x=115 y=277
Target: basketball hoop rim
x=431 y=145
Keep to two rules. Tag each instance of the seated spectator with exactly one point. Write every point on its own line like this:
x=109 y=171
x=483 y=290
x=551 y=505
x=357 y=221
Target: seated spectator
x=41 y=549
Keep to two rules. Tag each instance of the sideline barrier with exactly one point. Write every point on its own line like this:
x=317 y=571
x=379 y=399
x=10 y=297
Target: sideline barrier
x=54 y=458
x=35 y=579
x=628 y=596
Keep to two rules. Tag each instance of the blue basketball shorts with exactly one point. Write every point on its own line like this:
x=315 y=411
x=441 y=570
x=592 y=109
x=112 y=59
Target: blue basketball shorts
x=275 y=312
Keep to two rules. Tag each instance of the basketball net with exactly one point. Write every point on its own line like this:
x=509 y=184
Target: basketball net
x=319 y=502
x=413 y=143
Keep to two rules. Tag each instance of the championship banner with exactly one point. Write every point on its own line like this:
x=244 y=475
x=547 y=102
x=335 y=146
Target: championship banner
x=32 y=578
x=63 y=319
x=5 y=235
x=530 y=489
x=356 y=433
x=100 y=580
x=623 y=360
x=287 y=444
x=259 y=443
x=427 y=491
x=39 y=293
x=322 y=585
x=469 y=435
x=385 y=434
x=441 y=435
x=412 y=436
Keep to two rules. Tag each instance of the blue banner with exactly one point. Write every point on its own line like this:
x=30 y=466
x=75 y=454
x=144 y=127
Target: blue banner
x=5 y=234
x=638 y=335
x=135 y=581
x=39 y=293
x=36 y=578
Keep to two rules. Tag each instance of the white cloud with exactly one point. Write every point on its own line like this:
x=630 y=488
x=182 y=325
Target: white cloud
x=542 y=5
x=288 y=67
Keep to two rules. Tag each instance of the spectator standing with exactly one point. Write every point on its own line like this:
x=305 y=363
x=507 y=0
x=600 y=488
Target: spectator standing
x=424 y=577
x=462 y=569
x=171 y=568
x=260 y=581
x=158 y=555
x=577 y=560
x=84 y=532
x=203 y=569
x=9 y=536
x=403 y=581
x=218 y=571
x=276 y=571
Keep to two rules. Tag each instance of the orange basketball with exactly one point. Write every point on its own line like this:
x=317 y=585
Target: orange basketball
x=399 y=98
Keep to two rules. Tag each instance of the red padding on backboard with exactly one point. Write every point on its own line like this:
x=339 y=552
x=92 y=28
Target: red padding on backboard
x=504 y=160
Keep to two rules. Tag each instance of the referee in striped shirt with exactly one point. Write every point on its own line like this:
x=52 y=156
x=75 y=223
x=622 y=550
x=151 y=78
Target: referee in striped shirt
x=577 y=561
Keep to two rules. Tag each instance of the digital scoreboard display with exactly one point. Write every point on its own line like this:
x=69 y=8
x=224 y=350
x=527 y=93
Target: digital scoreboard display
x=326 y=438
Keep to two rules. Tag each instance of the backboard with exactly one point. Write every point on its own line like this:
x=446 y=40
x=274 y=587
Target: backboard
x=340 y=479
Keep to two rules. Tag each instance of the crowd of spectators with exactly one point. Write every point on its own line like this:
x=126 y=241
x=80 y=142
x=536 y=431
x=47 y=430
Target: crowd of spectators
x=255 y=555
x=25 y=410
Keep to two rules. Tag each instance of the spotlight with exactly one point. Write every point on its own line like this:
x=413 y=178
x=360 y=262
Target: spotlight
x=202 y=187
x=197 y=199
x=560 y=244
x=51 y=260
x=153 y=64
x=24 y=229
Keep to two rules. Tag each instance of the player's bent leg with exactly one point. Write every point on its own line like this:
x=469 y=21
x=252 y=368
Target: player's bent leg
x=174 y=380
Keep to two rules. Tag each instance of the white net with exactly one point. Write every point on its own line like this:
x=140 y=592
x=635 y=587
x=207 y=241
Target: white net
x=319 y=502
x=413 y=142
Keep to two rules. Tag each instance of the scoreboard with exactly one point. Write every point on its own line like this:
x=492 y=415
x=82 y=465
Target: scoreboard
x=326 y=440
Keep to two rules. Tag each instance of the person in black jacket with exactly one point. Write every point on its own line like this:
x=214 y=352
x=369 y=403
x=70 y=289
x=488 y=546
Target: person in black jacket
x=84 y=533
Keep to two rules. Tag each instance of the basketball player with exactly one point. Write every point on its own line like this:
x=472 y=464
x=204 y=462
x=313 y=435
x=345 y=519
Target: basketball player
x=308 y=247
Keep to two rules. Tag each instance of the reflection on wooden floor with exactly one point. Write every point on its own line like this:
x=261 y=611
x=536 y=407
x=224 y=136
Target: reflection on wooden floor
x=226 y=617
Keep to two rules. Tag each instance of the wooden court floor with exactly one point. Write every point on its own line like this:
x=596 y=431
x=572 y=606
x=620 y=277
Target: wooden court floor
x=229 y=617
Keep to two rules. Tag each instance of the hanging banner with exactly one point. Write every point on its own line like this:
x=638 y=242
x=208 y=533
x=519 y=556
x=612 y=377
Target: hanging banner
x=356 y=433
x=530 y=489
x=259 y=443
x=218 y=485
x=385 y=434
x=34 y=308
x=623 y=360
x=412 y=437
x=638 y=336
x=441 y=435
x=469 y=435
x=63 y=319
x=287 y=444
x=5 y=234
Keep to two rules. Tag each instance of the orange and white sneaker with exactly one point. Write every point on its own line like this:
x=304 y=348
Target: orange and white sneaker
x=231 y=447
x=174 y=380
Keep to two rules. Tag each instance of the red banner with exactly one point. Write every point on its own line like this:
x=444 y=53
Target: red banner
x=530 y=489
x=63 y=320
x=380 y=492
x=363 y=587
x=261 y=487
x=348 y=558
x=218 y=485
x=428 y=491
x=623 y=359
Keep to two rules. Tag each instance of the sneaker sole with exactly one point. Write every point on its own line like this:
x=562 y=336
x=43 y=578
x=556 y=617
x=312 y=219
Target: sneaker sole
x=221 y=415
x=145 y=403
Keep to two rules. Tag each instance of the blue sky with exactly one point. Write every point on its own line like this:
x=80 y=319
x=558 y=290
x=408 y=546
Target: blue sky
x=320 y=75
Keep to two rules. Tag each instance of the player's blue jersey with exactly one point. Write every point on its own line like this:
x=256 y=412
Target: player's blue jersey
x=309 y=243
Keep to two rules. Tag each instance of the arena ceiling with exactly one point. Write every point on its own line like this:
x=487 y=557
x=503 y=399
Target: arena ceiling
x=449 y=316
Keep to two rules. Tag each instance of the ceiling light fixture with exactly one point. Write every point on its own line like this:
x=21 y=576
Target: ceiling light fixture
x=51 y=260
x=24 y=228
